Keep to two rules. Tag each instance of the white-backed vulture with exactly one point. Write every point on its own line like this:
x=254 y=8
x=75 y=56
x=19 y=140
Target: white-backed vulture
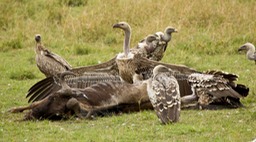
x=250 y=48
x=49 y=63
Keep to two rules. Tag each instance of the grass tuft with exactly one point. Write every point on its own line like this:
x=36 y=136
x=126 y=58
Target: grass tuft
x=22 y=75
x=82 y=50
x=74 y=3
x=12 y=44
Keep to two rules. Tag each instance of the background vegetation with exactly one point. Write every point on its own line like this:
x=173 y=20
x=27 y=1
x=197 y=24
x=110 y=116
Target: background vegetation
x=210 y=32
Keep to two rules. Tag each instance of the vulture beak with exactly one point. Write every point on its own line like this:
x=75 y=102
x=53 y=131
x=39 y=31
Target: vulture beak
x=242 y=48
x=116 y=26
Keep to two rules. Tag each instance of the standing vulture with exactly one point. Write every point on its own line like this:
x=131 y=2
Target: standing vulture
x=164 y=94
x=49 y=63
x=154 y=46
x=250 y=48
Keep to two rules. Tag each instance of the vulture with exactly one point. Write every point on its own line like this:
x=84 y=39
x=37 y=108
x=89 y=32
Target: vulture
x=250 y=48
x=104 y=72
x=129 y=64
x=98 y=99
x=154 y=46
x=49 y=63
x=125 y=65
x=214 y=90
x=164 y=94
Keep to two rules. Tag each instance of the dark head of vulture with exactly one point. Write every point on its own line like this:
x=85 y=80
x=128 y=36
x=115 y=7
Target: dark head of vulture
x=49 y=63
x=250 y=48
x=164 y=94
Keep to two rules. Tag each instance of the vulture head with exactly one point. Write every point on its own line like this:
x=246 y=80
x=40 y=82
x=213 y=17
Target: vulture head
x=168 y=33
x=161 y=69
x=122 y=25
x=127 y=31
x=247 y=46
x=150 y=38
x=250 y=48
x=38 y=38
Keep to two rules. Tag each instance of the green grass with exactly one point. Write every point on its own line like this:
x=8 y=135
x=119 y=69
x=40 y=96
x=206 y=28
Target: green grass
x=210 y=33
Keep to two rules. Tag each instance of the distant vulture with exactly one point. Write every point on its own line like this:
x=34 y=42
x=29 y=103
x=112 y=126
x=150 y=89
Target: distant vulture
x=49 y=63
x=164 y=94
x=250 y=48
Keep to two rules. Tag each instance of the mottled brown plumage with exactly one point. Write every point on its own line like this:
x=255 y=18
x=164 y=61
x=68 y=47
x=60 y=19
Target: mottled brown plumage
x=154 y=46
x=49 y=63
x=164 y=94
x=215 y=88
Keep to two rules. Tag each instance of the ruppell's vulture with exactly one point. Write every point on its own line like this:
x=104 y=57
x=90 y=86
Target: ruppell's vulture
x=164 y=94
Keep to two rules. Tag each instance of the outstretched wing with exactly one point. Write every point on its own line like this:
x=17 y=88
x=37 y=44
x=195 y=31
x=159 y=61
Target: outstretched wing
x=216 y=87
x=85 y=76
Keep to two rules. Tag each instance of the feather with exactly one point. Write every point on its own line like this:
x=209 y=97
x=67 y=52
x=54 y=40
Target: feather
x=163 y=91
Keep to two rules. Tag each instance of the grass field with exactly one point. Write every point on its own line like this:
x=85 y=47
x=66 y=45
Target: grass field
x=210 y=32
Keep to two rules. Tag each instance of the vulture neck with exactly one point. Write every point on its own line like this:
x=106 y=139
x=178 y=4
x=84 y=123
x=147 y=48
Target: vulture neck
x=251 y=53
x=167 y=37
x=38 y=48
x=127 y=38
